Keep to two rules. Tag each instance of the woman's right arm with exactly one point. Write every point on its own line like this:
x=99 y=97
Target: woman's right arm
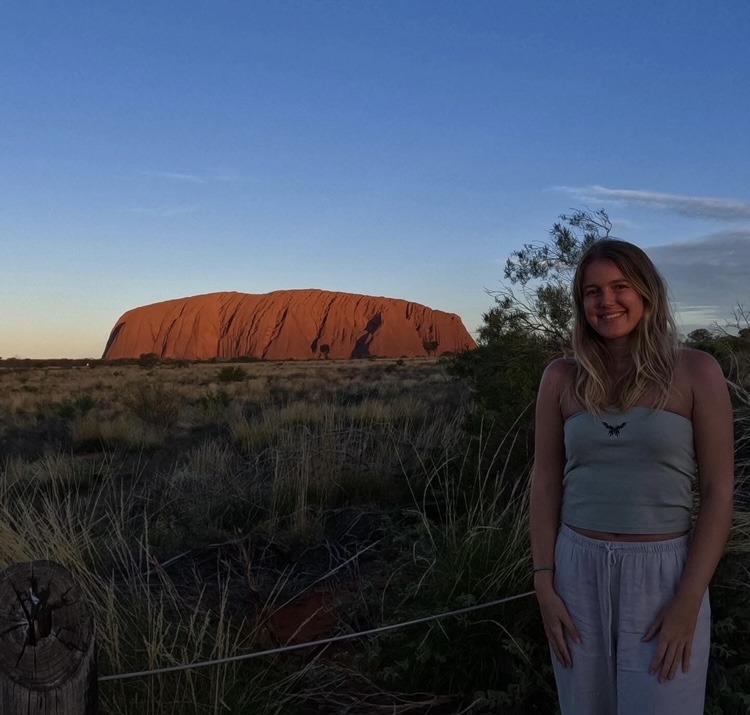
x=546 y=498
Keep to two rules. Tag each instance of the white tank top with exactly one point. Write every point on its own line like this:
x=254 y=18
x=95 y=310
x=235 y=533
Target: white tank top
x=629 y=473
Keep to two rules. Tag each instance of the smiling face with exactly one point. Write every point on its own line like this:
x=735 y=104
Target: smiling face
x=612 y=306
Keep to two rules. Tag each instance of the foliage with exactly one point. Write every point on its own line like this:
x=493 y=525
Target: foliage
x=430 y=346
x=730 y=350
x=148 y=360
x=544 y=272
x=504 y=374
x=729 y=669
x=75 y=404
x=153 y=403
x=182 y=550
x=232 y=373
x=468 y=546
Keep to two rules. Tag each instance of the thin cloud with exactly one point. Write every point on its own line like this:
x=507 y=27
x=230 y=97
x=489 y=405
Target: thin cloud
x=705 y=207
x=700 y=316
x=219 y=176
x=176 y=211
x=708 y=276
x=164 y=211
x=225 y=176
x=177 y=176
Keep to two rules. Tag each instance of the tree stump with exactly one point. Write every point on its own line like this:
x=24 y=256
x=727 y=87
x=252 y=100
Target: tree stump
x=47 y=660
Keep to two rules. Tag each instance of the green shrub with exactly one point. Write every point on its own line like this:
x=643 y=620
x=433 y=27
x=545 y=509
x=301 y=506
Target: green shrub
x=65 y=410
x=68 y=408
x=83 y=403
x=729 y=670
x=153 y=404
x=218 y=399
x=468 y=545
x=232 y=373
x=148 y=359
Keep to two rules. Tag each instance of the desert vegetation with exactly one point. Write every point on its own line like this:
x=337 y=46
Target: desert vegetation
x=214 y=509
x=222 y=508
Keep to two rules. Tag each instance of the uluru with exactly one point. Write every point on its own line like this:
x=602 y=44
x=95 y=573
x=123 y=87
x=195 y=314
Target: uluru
x=284 y=325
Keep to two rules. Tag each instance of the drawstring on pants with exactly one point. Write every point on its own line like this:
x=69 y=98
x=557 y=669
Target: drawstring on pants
x=610 y=562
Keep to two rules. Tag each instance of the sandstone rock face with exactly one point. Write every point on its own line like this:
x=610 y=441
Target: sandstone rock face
x=287 y=324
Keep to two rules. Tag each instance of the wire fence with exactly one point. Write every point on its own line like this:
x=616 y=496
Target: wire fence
x=310 y=644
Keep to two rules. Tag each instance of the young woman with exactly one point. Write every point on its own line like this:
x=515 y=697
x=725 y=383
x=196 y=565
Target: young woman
x=620 y=572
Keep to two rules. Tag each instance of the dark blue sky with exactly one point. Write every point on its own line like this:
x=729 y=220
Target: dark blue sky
x=155 y=150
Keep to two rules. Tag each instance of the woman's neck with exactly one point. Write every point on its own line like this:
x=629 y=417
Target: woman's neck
x=620 y=359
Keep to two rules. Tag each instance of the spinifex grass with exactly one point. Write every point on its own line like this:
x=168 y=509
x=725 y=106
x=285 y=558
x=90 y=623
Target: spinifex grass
x=466 y=543
x=102 y=537
x=114 y=485
x=193 y=511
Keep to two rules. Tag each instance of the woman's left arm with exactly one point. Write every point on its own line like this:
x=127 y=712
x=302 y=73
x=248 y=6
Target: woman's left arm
x=713 y=431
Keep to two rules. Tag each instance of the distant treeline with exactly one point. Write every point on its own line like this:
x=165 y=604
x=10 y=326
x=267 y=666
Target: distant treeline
x=147 y=360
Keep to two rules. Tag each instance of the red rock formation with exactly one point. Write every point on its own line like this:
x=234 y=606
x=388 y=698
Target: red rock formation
x=282 y=325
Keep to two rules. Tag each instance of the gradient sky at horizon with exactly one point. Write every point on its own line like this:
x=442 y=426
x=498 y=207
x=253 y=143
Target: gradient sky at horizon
x=151 y=151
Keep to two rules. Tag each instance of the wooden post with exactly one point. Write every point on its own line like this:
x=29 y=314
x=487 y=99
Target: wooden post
x=47 y=660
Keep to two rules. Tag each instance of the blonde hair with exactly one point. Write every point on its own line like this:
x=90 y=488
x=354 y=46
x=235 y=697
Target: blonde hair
x=653 y=347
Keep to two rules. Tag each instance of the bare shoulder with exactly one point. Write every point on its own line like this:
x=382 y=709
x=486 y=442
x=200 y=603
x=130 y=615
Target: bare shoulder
x=709 y=389
x=559 y=373
x=699 y=368
x=713 y=423
x=548 y=421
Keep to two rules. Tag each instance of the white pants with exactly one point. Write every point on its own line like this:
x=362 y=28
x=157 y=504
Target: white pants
x=613 y=591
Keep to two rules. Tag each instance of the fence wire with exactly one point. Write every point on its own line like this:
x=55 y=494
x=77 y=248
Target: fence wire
x=310 y=644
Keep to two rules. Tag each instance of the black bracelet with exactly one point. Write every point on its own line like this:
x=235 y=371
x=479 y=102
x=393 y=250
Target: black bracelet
x=537 y=569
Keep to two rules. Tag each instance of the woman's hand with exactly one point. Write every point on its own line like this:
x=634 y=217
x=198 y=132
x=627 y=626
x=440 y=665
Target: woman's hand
x=675 y=625
x=557 y=622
